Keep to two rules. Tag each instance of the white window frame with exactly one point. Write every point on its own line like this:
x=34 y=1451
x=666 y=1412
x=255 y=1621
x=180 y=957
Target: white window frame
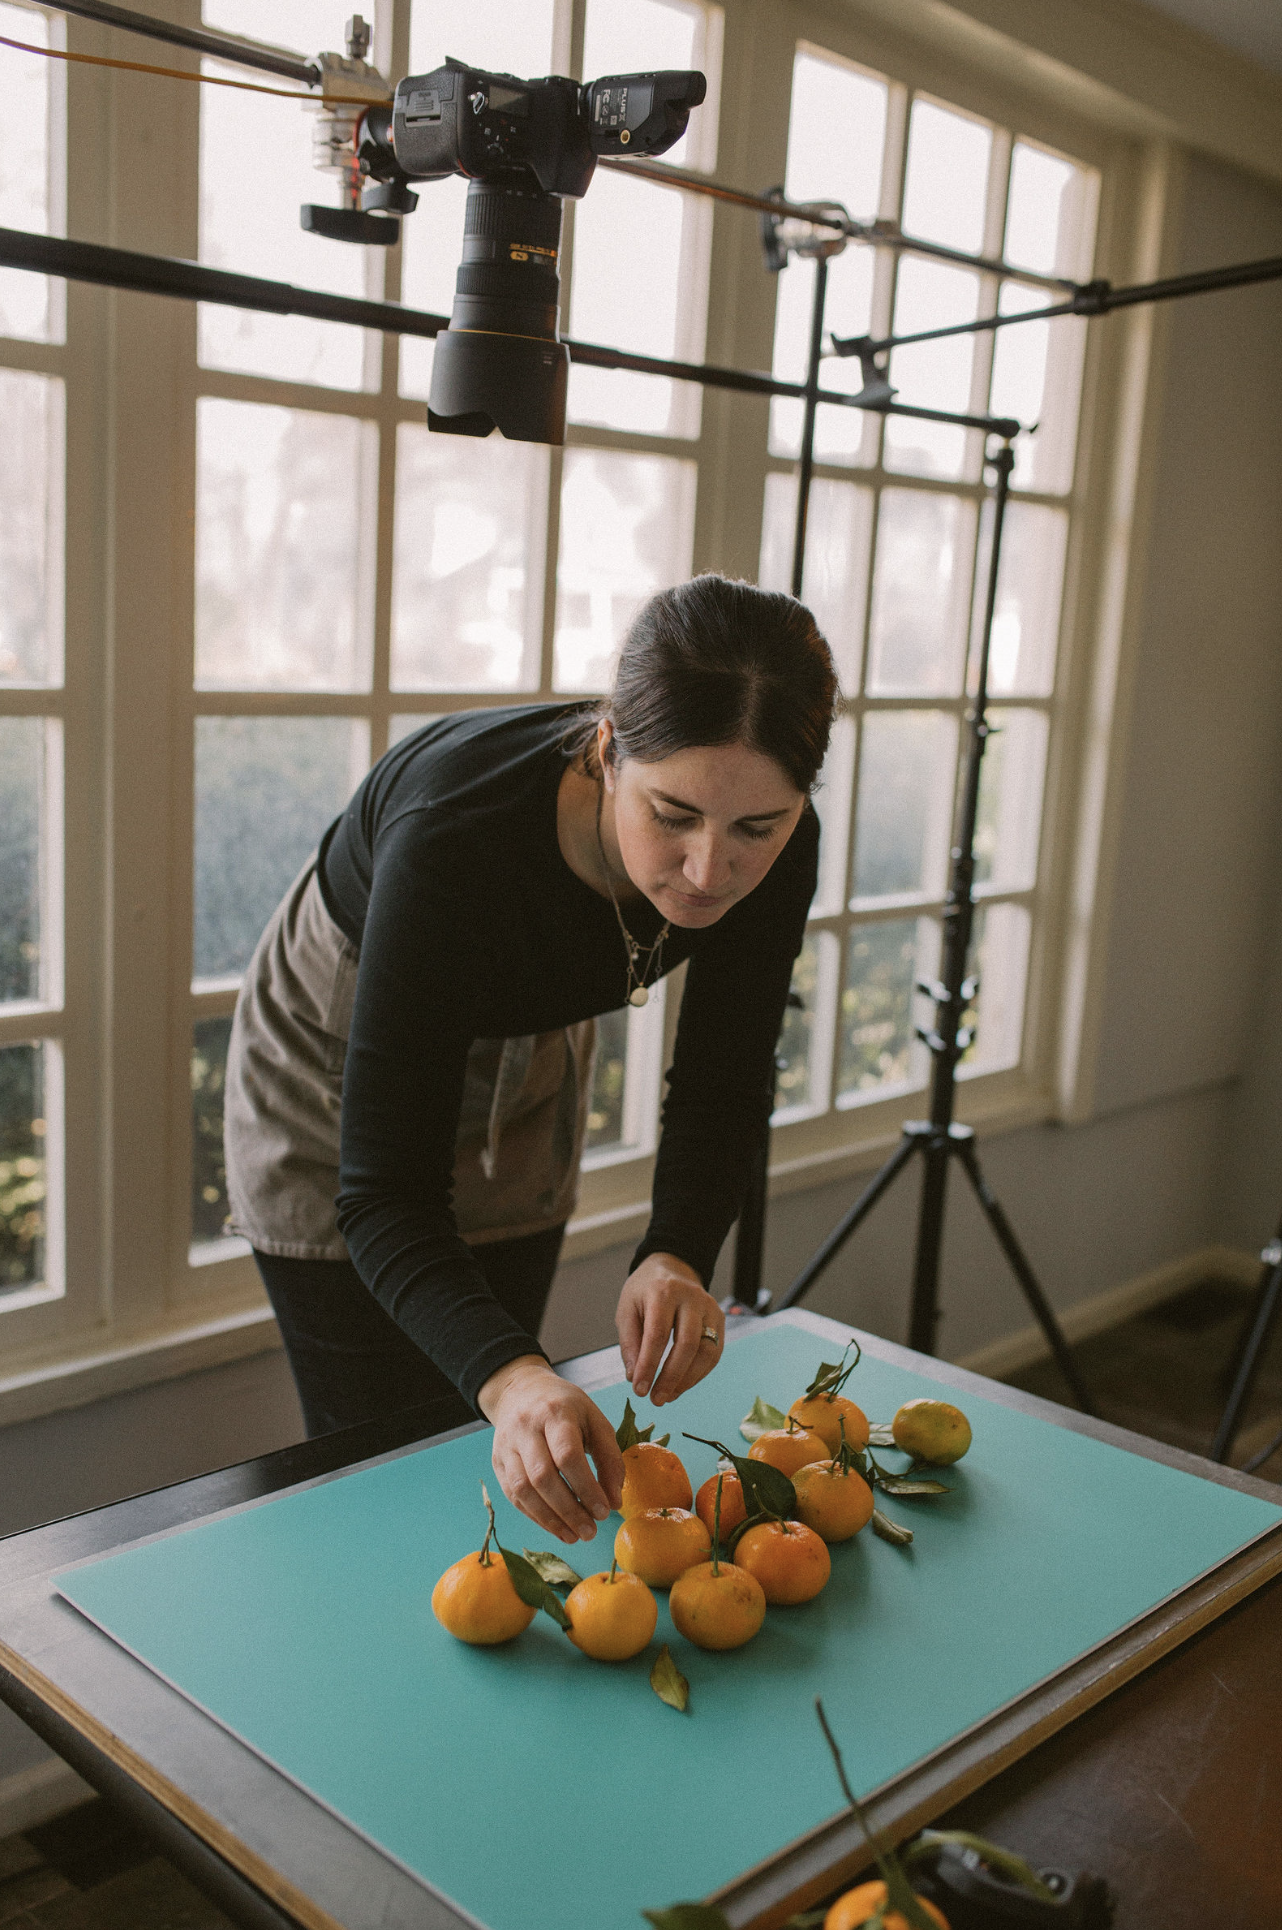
x=134 y=1307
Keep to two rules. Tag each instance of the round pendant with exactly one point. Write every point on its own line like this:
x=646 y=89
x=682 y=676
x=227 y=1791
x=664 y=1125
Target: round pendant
x=638 y=996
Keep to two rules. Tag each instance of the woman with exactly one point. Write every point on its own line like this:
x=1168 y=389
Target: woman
x=410 y=1065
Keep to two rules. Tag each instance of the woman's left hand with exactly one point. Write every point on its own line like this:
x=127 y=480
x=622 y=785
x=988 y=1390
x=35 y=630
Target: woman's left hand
x=665 y=1300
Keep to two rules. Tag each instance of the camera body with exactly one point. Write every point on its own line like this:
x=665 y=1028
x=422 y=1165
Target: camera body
x=462 y=120
x=522 y=145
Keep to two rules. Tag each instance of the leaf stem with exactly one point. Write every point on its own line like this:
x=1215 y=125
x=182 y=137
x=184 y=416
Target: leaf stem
x=716 y=1525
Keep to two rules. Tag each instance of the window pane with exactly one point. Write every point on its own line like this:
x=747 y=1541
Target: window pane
x=266 y=788
x=1037 y=378
x=406 y=722
x=1050 y=213
x=921 y=593
x=234 y=126
x=999 y=951
x=605 y=1112
x=1008 y=826
x=903 y=822
x=644 y=36
x=1026 y=615
x=28 y=303
x=487 y=33
x=625 y=230
x=836 y=133
x=836 y=141
x=834 y=583
x=23 y=1172
x=22 y=780
x=31 y=499
x=467 y=579
x=284 y=548
x=209 y=1205
x=832 y=802
x=931 y=375
x=303 y=26
x=946 y=181
x=628 y=228
x=627 y=525
x=802 y=1085
x=624 y=1110
x=841 y=435
x=876 y=1049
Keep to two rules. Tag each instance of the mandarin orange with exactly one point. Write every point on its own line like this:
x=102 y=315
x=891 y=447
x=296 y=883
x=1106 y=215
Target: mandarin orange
x=653 y=1477
x=717 y=1605
x=733 y=1508
x=790 y=1561
x=834 y=1501
x=864 y=1901
x=824 y=1415
x=476 y=1602
x=661 y=1543
x=612 y=1616
x=789 y=1448
x=934 y=1431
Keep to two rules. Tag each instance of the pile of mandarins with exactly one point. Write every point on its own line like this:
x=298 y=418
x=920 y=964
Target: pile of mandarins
x=757 y=1532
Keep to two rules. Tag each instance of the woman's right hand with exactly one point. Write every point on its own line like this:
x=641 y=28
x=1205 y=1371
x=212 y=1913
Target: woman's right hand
x=544 y=1430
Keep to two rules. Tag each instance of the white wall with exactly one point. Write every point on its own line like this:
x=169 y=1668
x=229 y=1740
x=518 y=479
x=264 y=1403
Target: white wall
x=1186 y=1145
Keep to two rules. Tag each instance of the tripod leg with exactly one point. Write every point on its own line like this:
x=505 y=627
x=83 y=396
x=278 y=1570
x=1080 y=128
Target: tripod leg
x=1268 y=1297
x=862 y=1207
x=1023 y=1272
x=924 y=1317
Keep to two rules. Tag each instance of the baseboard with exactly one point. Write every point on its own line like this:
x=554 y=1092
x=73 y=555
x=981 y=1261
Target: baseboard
x=36 y=1795
x=1103 y=1310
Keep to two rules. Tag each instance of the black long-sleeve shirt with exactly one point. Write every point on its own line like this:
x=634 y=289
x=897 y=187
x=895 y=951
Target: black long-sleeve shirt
x=446 y=873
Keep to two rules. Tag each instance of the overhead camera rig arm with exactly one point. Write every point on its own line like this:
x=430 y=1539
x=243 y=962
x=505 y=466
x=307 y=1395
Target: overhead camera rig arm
x=244 y=53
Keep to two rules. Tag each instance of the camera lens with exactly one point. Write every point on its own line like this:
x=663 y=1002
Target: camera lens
x=499 y=364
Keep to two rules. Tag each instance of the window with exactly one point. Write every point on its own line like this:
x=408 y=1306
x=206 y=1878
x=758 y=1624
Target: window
x=895 y=568
x=277 y=571
x=347 y=556
x=32 y=407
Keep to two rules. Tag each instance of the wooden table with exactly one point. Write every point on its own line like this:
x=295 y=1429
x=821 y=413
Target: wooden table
x=1167 y=1779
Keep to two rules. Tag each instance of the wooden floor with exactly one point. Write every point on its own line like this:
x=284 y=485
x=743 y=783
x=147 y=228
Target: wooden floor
x=89 y=1870
x=1163 y=1373
x=1167 y=1373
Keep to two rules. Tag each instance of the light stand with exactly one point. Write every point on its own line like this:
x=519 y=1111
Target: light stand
x=1260 y=1322
x=939 y=1140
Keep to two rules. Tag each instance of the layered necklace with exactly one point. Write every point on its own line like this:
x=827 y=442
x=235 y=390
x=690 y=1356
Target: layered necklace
x=642 y=961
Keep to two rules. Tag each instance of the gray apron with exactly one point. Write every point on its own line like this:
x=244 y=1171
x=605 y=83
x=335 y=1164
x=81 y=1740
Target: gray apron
x=521 y=1128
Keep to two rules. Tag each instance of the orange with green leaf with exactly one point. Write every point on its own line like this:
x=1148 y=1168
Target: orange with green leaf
x=661 y=1543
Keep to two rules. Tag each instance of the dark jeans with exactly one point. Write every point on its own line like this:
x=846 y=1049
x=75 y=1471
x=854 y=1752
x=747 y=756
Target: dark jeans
x=350 y=1360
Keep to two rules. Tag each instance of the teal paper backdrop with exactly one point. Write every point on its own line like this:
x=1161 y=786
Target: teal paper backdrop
x=542 y=1791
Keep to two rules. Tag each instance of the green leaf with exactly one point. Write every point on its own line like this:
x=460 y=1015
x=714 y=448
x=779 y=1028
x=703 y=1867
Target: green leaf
x=532 y=1588
x=668 y=1682
x=892 y=1531
x=833 y=1374
x=766 y=1490
x=906 y=1484
x=806 y=1920
x=759 y=1418
x=551 y=1568
x=687 y=1916
x=879 y=1435
x=663 y=1439
x=627 y=1433
x=1004 y=1861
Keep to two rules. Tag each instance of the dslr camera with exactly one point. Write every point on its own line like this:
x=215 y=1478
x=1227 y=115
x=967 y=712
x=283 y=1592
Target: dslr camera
x=522 y=145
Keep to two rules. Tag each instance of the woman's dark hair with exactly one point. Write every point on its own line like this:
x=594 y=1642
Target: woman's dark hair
x=715 y=661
